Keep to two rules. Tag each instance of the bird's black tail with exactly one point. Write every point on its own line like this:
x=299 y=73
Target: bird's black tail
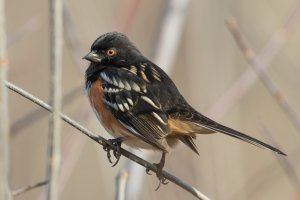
x=214 y=126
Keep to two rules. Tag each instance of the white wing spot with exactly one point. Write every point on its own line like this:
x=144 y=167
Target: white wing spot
x=129 y=101
x=112 y=105
x=126 y=106
x=121 y=107
x=126 y=85
x=148 y=100
x=159 y=118
x=115 y=82
x=111 y=90
x=105 y=77
x=120 y=85
x=159 y=128
x=135 y=87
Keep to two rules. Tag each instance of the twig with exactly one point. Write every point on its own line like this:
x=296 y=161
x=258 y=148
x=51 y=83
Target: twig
x=27 y=188
x=256 y=64
x=266 y=55
x=121 y=181
x=54 y=146
x=102 y=141
x=4 y=132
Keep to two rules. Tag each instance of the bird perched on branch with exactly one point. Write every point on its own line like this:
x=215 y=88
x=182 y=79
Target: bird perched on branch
x=138 y=103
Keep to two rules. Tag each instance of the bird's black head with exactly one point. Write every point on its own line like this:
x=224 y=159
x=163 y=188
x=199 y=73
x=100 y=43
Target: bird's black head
x=112 y=49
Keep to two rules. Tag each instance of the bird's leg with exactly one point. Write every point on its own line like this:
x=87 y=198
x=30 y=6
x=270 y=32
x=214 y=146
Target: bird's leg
x=117 y=153
x=159 y=166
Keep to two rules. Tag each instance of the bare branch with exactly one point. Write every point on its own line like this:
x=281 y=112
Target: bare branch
x=4 y=132
x=54 y=146
x=101 y=141
x=257 y=66
x=121 y=181
x=27 y=188
x=266 y=55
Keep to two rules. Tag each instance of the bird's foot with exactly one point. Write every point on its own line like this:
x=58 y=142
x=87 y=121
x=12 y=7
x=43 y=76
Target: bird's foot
x=159 y=172
x=160 y=176
x=117 y=153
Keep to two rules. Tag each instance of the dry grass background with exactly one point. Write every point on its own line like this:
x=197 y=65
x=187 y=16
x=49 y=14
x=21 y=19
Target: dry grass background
x=206 y=64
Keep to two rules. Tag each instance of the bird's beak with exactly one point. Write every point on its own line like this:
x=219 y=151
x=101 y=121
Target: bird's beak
x=92 y=56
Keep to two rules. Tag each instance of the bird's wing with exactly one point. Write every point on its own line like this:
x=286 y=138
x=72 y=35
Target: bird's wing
x=134 y=105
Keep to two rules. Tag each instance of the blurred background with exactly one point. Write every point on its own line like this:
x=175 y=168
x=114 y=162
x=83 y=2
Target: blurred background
x=189 y=40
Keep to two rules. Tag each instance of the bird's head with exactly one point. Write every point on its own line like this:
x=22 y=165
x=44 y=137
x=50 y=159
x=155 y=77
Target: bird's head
x=112 y=48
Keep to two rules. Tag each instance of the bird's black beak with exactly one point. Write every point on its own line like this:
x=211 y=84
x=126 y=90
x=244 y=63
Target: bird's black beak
x=93 y=57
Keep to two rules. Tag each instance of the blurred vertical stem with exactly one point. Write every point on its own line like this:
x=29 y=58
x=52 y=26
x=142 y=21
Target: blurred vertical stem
x=121 y=181
x=167 y=40
x=4 y=136
x=55 y=44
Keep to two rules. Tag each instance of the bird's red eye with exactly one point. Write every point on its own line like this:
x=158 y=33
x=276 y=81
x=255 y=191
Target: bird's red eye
x=111 y=52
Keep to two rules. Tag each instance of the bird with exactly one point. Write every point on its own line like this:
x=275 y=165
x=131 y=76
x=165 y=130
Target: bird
x=139 y=105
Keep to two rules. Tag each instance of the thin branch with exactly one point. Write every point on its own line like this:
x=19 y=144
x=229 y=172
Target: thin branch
x=121 y=181
x=27 y=188
x=54 y=146
x=4 y=132
x=257 y=66
x=266 y=55
x=101 y=141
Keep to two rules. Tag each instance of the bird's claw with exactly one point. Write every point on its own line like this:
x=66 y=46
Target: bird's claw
x=117 y=153
x=148 y=171
x=162 y=180
x=159 y=173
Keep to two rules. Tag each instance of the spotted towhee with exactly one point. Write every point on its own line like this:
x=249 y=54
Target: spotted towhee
x=138 y=103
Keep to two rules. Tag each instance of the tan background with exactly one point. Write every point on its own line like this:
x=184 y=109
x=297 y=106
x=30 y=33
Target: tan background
x=206 y=64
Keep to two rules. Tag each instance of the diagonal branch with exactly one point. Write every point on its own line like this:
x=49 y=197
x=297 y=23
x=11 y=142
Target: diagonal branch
x=266 y=55
x=100 y=140
x=257 y=66
x=27 y=188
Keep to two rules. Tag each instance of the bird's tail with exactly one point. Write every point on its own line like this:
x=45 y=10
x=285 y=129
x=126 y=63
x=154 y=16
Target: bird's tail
x=214 y=126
